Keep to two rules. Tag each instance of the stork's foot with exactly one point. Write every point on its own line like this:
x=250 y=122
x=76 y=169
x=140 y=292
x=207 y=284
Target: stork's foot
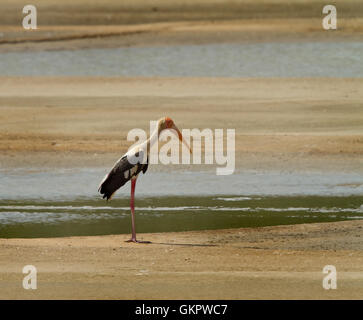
x=137 y=241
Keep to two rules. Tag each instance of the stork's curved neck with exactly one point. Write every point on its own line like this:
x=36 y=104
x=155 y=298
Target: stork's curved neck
x=151 y=141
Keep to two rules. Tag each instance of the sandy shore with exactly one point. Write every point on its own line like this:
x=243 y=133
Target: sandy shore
x=70 y=37
x=284 y=124
x=283 y=262
x=112 y=12
x=110 y=23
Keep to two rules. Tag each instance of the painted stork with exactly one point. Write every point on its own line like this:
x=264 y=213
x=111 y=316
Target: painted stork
x=129 y=166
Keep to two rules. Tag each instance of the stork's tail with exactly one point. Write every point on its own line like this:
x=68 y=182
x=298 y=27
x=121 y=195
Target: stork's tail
x=105 y=188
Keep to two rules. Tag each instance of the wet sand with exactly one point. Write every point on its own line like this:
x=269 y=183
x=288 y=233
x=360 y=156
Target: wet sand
x=281 y=124
x=70 y=37
x=110 y=24
x=284 y=262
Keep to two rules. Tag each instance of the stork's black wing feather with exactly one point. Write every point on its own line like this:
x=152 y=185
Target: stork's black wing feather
x=121 y=172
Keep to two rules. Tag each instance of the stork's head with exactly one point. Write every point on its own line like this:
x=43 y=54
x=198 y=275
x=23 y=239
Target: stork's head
x=168 y=123
x=165 y=123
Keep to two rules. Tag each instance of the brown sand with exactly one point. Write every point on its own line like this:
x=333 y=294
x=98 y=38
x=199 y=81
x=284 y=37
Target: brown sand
x=113 y=12
x=284 y=262
x=285 y=124
x=176 y=33
x=112 y=23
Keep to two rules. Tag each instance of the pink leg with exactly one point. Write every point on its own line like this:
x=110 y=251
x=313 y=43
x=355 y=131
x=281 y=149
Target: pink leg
x=132 y=206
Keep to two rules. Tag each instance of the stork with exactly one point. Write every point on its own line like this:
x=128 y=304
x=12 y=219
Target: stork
x=131 y=164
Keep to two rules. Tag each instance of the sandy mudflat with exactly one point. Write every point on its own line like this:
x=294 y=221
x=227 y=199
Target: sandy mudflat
x=70 y=37
x=283 y=262
x=283 y=124
x=106 y=24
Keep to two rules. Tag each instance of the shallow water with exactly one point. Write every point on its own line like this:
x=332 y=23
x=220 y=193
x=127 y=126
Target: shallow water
x=65 y=184
x=292 y=59
x=19 y=218
x=49 y=202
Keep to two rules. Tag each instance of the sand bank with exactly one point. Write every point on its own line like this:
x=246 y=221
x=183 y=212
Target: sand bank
x=283 y=262
x=110 y=24
x=299 y=124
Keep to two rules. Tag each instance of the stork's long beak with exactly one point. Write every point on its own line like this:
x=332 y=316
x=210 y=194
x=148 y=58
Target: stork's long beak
x=180 y=136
